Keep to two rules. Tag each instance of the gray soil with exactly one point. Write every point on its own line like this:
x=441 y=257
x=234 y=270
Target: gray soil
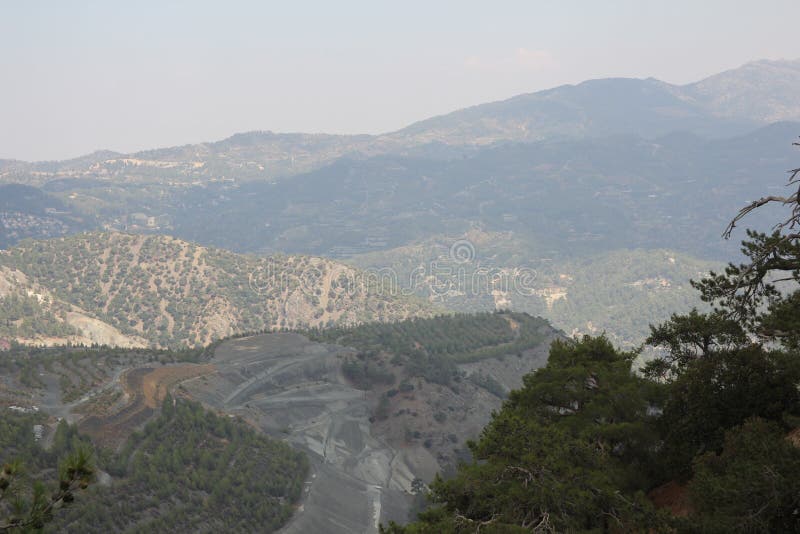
x=361 y=468
x=292 y=388
x=361 y=471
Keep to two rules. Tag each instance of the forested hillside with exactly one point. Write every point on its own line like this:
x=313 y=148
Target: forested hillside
x=459 y=337
x=173 y=293
x=192 y=470
x=598 y=182
x=565 y=197
x=28 y=212
x=188 y=469
x=587 y=445
x=619 y=292
x=400 y=267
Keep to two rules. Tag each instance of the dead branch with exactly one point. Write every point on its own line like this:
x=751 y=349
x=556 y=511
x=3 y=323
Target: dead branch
x=463 y=520
x=757 y=204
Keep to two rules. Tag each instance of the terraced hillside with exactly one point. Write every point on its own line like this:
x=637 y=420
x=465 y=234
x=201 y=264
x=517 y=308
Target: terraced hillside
x=173 y=293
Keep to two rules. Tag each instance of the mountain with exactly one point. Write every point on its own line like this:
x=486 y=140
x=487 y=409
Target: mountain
x=31 y=314
x=586 y=208
x=722 y=105
x=764 y=91
x=565 y=198
x=596 y=175
x=595 y=108
x=236 y=471
x=432 y=385
x=726 y=104
x=174 y=293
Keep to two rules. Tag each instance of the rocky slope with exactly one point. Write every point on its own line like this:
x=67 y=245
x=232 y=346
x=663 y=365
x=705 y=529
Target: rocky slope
x=168 y=292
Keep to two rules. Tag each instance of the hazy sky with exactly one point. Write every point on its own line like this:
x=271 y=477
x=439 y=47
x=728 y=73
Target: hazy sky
x=80 y=76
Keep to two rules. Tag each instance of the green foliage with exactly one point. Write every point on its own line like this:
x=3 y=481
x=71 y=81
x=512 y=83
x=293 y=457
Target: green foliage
x=431 y=347
x=27 y=503
x=177 y=294
x=586 y=439
x=721 y=391
x=753 y=485
x=191 y=469
x=570 y=451
x=689 y=337
x=620 y=292
x=762 y=293
x=578 y=447
x=26 y=316
x=461 y=337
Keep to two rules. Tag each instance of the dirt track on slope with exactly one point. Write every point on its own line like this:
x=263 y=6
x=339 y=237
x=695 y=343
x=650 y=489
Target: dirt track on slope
x=292 y=389
x=145 y=389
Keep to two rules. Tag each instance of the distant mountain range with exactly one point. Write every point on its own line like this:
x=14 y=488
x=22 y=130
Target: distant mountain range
x=726 y=104
x=722 y=105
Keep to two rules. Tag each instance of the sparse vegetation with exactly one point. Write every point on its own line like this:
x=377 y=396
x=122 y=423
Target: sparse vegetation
x=177 y=294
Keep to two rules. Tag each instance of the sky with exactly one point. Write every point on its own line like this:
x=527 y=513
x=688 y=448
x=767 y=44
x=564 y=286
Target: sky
x=78 y=76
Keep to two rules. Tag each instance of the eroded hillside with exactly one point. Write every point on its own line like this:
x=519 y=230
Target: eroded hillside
x=173 y=293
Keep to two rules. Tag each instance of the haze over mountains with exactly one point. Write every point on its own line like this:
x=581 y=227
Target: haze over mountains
x=721 y=105
x=571 y=176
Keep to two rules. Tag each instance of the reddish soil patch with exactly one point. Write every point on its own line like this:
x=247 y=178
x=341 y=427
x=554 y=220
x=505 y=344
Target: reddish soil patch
x=672 y=496
x=157 y=383
x=146 y=388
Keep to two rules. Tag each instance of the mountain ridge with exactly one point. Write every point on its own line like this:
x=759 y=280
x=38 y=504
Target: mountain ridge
x=719 y=105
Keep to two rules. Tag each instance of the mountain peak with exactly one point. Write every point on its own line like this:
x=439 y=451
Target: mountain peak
x=763 y=90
